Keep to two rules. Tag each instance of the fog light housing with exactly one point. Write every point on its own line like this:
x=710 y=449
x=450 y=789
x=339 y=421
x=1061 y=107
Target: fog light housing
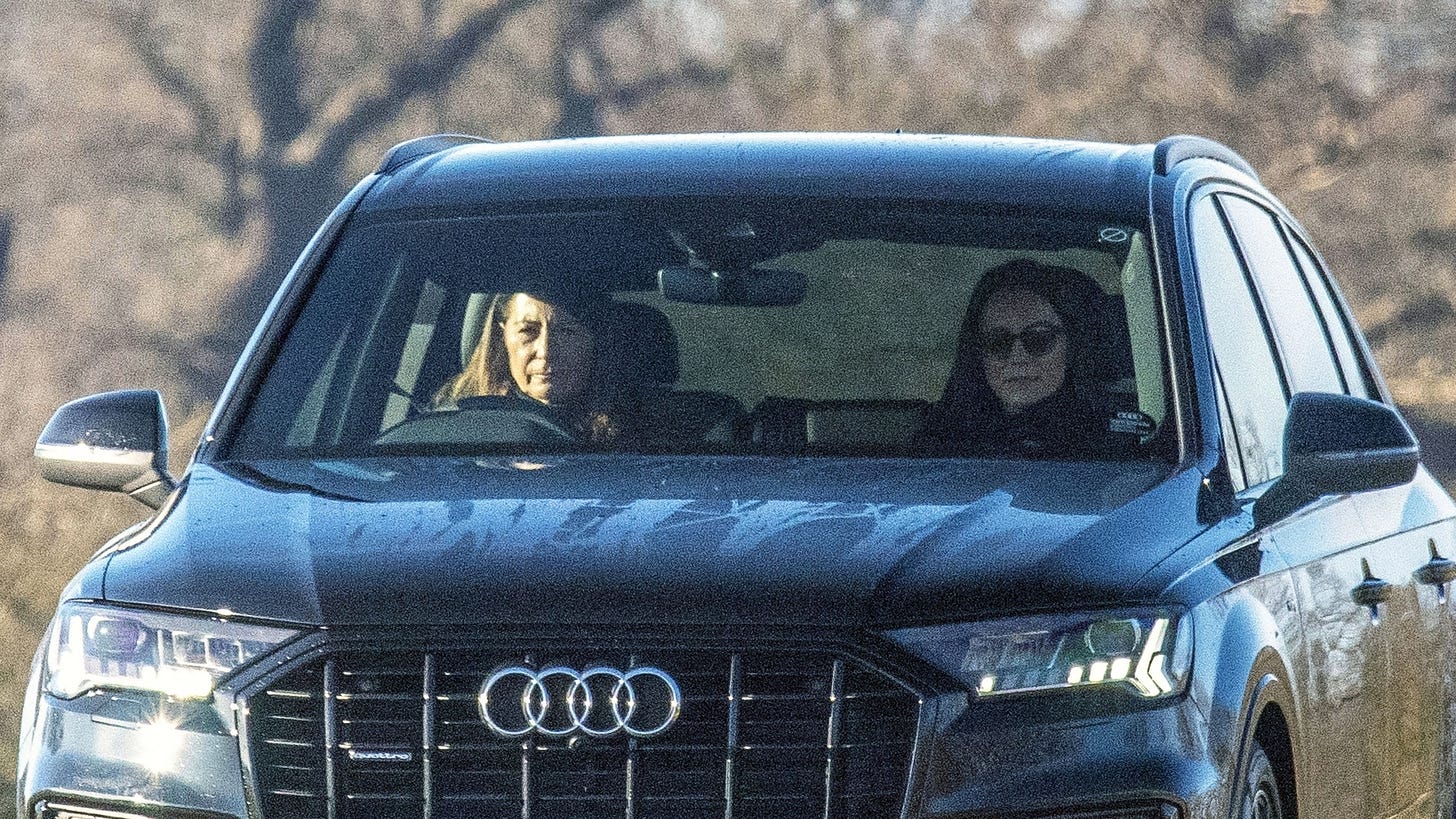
x=44 y=810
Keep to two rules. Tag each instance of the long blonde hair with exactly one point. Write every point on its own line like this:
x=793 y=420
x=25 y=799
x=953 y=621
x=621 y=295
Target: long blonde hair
x=488 y=372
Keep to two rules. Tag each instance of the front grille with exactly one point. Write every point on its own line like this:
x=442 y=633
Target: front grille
x=763 y=733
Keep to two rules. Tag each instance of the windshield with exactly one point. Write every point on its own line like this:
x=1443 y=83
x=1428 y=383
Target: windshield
x=722 y=327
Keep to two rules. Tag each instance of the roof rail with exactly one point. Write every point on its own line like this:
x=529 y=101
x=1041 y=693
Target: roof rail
x=1175 y=149
x=410 y=150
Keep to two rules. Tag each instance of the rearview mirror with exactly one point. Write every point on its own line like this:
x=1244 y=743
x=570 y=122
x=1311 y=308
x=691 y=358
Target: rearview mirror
x=114 y=441
x=752 y=287
x=1338 y=444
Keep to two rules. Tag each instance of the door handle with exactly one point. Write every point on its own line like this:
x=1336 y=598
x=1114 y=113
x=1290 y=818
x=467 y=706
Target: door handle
x=1372 y=591
x=1437 y=572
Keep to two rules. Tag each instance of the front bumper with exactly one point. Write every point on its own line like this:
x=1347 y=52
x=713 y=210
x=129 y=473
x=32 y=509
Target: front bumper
x=116 y=756
x=1144 y=765
x=122 y=756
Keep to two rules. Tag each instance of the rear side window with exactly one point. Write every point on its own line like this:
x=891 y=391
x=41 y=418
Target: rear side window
x=1356 y=379
x=1257 y=400
x=1300 y=331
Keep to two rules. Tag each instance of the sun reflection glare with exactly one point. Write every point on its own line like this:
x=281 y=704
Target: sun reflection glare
x=160 y=744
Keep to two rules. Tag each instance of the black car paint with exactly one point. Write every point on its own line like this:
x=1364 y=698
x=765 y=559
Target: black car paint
x=743 y=540
x=359 y=543
x=509 y=550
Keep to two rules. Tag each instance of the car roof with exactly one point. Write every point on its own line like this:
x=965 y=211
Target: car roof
x=1040 y=176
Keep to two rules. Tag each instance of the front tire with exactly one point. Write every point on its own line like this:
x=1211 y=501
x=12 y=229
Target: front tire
x=1261 y=796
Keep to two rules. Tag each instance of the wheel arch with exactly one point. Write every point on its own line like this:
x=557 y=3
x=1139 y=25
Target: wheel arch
x=1273 y=733
x=1251 y=694
x=1268 y=723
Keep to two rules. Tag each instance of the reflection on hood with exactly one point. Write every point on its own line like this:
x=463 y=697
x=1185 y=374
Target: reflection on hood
x=604 y=539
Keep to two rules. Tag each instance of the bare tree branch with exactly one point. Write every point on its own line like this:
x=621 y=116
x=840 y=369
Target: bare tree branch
x=7 y=233
x=577 y=110
x=417 y=75
x=579 y=103
x=211 y=141
x=275 y=70
x=172 y=79
x=693 y=73
x=590 y=13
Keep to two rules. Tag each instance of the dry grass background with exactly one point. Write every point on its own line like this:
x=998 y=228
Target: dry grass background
x=143 y=200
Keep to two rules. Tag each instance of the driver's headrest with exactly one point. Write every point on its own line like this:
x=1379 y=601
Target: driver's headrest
x=477 y=311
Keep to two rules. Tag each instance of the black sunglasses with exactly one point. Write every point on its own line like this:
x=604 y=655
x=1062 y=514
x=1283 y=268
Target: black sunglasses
x=1037 y=341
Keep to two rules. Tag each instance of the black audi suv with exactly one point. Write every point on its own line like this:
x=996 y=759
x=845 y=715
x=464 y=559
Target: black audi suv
x=777 y=475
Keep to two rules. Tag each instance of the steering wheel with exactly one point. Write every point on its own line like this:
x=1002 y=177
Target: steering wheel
x=509 y=409
x=483 y=419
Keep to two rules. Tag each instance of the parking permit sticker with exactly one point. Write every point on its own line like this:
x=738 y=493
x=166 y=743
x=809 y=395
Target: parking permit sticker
x=1132 y=422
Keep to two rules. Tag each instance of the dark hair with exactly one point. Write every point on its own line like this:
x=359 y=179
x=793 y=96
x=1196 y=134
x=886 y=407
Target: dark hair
x=1078 y=301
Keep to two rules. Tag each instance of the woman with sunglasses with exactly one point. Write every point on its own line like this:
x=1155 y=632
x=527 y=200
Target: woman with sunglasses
x=1032 y=361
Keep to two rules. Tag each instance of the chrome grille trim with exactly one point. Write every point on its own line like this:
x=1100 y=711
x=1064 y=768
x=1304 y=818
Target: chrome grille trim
x=427 y=746
x=331 y=736
x=394 y=732
x=836 y=713
x=735 y=696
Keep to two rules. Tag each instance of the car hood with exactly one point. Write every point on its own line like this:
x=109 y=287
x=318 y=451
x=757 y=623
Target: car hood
x=637 y=539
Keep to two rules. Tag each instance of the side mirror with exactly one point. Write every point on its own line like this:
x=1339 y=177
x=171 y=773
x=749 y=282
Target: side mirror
x=115 y=441
x=1337 y=444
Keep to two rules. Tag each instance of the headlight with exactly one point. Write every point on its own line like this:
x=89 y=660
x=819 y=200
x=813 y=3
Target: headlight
x=1143 y=651
x=93 y=646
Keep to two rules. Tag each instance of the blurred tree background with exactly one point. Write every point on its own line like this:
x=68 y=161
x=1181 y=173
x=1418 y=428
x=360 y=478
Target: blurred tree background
x=166 y=160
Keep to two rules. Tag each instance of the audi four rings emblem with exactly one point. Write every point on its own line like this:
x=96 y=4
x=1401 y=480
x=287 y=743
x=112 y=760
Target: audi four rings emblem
x=598 y=702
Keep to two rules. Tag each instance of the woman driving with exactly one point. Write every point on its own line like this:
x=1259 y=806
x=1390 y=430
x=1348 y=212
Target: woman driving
x=543 y=348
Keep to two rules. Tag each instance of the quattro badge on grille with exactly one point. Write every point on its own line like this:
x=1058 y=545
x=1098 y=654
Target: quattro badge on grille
x=372 y=755
x=599 y=702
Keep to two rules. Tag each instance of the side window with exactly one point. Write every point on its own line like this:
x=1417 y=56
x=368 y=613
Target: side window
x=1225 y=420
x=1257 y=399
x=305 y=427
x=1300 y=331
x=1319 y=284
x=402 y=395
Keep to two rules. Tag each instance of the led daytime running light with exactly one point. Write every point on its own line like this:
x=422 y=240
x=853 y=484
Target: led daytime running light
x=184 y=657
x=1143 y=652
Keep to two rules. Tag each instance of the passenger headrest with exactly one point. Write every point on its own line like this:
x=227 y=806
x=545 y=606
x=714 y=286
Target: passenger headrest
x=646 y=344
